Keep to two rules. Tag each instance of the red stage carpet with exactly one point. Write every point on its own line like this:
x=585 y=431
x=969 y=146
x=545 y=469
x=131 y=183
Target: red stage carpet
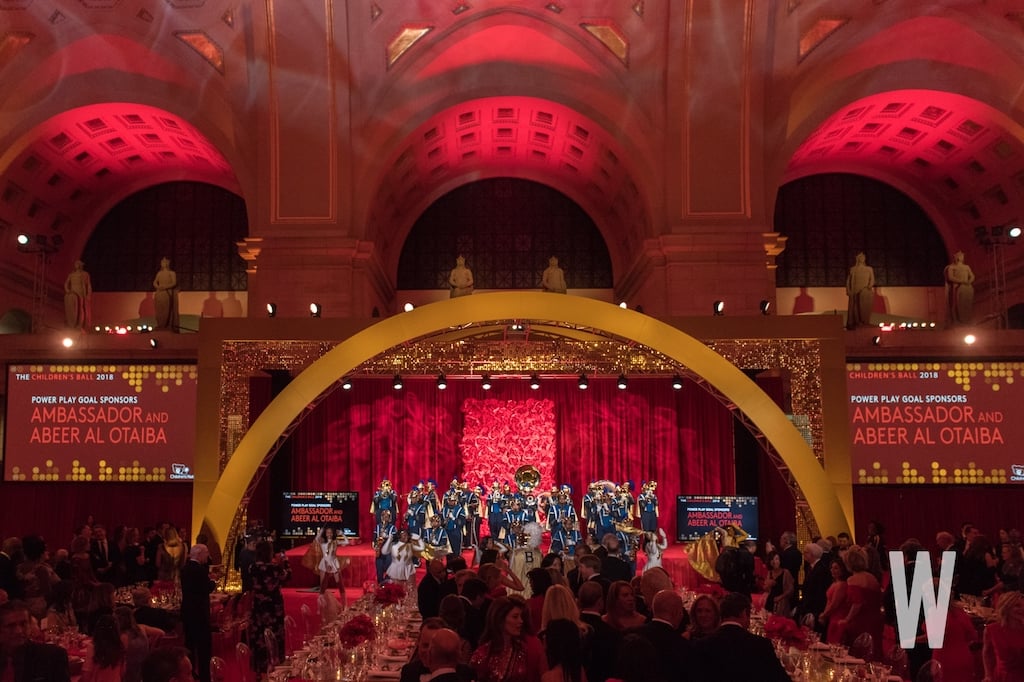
x=356 y=567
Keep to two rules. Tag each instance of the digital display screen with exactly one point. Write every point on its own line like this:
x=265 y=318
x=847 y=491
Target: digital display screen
x=306 y=512
x=936 y=422
x=698 y=515
x=100 y=422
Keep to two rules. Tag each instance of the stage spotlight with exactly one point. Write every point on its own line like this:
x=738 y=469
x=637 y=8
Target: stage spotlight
x=153 y=343
x=346 y=383
x=442 y=383
x=1014 y=232
x=535 y=381
x=677 y=382
x=766 y=307
x=315 y=309
x=67 y=342
x=876 y=340
x=408 y=307
x=623 y=305
x=582 y=383
x=396 y=383
x=718 y=308
x=623 y=381
x=970 y=339
x=271 y=309
x=485 y=382
x=23 y=239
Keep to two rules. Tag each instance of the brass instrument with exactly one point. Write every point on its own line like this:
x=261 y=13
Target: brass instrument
x=527 y=477
x=627 y=528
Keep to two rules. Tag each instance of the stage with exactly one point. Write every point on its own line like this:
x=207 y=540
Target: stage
x=356 y=561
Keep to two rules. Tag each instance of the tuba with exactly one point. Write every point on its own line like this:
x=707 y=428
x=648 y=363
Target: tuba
x=527 y=477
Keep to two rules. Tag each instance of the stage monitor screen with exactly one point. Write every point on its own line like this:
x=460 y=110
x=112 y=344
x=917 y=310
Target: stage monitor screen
x=698 y=515
x=304 y=513
x=944 y=423
x=100 y=422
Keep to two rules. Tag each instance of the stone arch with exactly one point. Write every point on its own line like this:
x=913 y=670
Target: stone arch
x=215 y=503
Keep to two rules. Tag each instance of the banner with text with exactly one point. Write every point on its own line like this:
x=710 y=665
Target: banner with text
x=100 y=422
x=936 y=422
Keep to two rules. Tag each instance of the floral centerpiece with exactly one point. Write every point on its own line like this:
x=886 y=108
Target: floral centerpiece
x=359 y=630
x=786 y=630
x=389 y=593
x=713 y=590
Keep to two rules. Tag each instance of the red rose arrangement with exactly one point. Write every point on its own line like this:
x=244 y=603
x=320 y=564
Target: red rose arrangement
x=785 y=629
x=358 y=630
x=713 y=590
x=389 y=593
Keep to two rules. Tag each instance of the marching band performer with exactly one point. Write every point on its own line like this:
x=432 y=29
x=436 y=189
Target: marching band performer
x=384 y=499
x=472 y=501
x=515 y=520
x=416 y=514
x=453 y=516
x=382 y=532
x=435 y=538
x=495 y=511
x=648 y=503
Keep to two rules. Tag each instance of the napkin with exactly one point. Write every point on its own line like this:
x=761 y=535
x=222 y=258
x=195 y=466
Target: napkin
x=393 y=658
x=819 y=645
x=850 y=660
x=379 y=674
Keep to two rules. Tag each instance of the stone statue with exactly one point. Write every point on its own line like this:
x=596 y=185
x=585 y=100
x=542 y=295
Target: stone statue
x=959 y=291
x=553 y=279
x=165 y=300
x=461 y=279
x=78 y=297
x=860 y=284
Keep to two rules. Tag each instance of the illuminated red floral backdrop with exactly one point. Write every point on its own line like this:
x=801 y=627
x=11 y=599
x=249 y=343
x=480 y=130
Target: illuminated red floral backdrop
x=353 y=439
x=499 y=436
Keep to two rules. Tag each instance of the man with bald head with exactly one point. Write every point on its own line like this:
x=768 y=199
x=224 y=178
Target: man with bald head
x=673 y=652
x=443 y=658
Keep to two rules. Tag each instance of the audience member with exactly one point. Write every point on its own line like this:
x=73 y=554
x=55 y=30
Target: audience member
x=507 y=651
x=104 y=653
x=603 y=642
x=672 y=652
x=167 y=665
x=30 y=660
x=196 y=587
x=428 y=592
x=732 y=652
x=564 y=652
x=704 y=617
x=620 y=607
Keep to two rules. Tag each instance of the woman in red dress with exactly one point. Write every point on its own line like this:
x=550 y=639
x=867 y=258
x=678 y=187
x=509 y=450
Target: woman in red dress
x=959 y=644
x=507 y=652
x=864 y=595
x=836 y=604
x=1003 y=652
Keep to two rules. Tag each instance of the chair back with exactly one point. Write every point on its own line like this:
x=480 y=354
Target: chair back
x=863 y=646
x=930 y=672
x=243 y=658
x=273 y=653
x=218 y=669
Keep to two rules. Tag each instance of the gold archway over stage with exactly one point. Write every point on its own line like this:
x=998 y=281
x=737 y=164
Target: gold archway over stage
x=710 y=350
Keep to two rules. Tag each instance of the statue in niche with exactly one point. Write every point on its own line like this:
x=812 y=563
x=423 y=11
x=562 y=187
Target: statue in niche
x=860 y=285
x=553 y=279
x=78 y=297
x=959 y=291
x=460 y=280
x=165 y=299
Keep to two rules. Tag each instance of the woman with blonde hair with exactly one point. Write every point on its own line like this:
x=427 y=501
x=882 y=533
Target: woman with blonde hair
x=170 y=556
x=864 y=595
x=559 y=603
x=1003 y=650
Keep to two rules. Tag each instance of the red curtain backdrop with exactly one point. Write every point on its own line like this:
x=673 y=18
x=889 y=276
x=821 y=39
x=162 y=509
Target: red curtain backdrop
x=683 y=439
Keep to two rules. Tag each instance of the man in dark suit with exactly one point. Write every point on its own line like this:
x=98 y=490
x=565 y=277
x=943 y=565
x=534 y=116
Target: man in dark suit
x=196 y=587
x=101 y=555
x=590 y=571
x=443 y=659
x=603 y=643
x=29 y=660
x=734 y=653
x=789 y=555
x=8 y=574
x=674 y=654
x=429 y=591
x=817 y=579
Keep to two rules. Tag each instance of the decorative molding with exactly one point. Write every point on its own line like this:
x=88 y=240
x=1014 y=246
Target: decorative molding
x=818 y=33
x=774 y=245
x=11 y=44
x=611 y=36
x=204 y=46
x=406 y=38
